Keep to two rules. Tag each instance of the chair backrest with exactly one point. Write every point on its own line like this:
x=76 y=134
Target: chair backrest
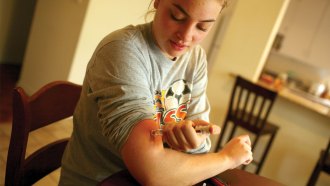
x=53 y=102
x=250 y=104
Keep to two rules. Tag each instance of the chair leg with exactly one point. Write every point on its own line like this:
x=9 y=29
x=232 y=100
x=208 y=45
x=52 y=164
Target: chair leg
x=230 y=136
x=315 y=175
x=265 y=152
x=222 y=134
x=253 y=145
x=233 y=130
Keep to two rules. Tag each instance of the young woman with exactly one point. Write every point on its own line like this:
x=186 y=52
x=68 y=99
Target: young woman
x=142 y=78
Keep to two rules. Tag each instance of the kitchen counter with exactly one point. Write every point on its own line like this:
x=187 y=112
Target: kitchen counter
x=318 y=105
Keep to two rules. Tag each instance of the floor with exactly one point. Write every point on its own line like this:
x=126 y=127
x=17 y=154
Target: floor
x=8 y=77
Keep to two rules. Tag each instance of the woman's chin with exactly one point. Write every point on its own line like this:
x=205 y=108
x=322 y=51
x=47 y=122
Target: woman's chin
x=175 y=54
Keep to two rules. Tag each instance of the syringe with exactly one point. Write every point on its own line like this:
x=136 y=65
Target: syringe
x=200 y=129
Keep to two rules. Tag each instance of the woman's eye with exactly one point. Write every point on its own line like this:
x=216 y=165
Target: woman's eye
x=177 y=18
x=202 y=28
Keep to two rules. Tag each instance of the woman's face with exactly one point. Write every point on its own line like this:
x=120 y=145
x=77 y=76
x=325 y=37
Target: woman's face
x=181 y=24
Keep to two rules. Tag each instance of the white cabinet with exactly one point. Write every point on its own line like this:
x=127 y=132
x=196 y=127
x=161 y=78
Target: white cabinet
x=306 y=32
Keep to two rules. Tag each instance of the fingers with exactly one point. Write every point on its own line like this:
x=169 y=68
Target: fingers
x=248 y=149
x=191 y=136
x=247 y=140
x=200 y=122
x=179 y=135
x=212 y=129
x=248 y=161
x=170 y=137
x=215 y=129
x=239 y=150
x=182 y=135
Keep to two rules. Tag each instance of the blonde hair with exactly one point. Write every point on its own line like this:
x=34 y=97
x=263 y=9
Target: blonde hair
x=151 y=10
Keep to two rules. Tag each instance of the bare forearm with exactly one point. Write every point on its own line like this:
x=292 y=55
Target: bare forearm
x=150 y=163
x=184 y=169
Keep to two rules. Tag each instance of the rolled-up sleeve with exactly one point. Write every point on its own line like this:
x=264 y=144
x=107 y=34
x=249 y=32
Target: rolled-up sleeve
x=119 y=85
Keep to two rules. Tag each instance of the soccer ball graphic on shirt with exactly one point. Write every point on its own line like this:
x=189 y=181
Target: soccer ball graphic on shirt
x=177 y=98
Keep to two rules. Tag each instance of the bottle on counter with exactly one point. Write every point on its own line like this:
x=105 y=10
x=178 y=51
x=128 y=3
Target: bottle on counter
x=317 y=89
x=326 y=93
x=280 y=81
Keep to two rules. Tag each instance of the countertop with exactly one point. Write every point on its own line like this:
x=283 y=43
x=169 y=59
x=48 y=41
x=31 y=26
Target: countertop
x=321 y=106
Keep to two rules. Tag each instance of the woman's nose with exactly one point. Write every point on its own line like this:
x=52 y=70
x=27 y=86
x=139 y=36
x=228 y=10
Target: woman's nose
x=186 y=33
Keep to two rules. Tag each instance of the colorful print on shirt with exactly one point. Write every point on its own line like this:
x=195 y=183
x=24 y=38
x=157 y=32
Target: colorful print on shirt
x=171 y=105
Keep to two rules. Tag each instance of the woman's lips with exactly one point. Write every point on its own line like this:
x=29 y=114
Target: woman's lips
x=177 y=46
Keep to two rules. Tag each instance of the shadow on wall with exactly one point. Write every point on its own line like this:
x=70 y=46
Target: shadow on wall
x=16 y=19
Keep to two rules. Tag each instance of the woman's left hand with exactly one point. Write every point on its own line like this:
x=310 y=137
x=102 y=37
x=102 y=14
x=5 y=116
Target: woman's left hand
x=182 y=135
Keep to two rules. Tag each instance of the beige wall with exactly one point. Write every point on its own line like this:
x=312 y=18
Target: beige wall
x=103 y=17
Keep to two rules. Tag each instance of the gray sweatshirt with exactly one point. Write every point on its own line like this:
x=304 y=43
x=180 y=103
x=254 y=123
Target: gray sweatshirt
x=128 y=79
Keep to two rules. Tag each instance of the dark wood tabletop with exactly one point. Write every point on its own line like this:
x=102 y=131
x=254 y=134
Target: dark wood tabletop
x=237 y=177
x=234 y=177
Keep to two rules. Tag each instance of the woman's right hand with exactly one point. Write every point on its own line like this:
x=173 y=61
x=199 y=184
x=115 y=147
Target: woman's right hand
x=238 y=151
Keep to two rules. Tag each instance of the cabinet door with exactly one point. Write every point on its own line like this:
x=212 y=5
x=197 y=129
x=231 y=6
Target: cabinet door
x=320 y=48
x=300 y=27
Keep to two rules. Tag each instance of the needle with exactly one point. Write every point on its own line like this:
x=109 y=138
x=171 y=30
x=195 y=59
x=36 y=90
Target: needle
x=200 y=129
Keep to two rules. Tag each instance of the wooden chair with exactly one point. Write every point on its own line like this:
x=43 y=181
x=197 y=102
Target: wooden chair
x=249 y=107
x=53 y=102
x=323 y=164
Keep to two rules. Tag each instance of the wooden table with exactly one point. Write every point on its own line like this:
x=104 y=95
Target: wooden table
x=235 y=177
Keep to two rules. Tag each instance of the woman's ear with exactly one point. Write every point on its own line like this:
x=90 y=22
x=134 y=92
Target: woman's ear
x=156 y=3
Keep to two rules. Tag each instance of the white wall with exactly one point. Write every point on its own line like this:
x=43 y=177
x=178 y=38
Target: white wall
x=65 y=33
x=245 y=46
x=103 y=17
x=53 y=38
